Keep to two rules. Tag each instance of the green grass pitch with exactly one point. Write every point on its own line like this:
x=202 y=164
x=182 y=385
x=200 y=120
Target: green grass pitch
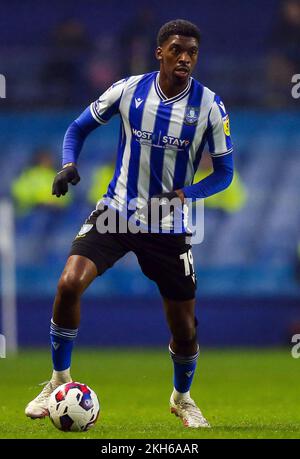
x=243 y=393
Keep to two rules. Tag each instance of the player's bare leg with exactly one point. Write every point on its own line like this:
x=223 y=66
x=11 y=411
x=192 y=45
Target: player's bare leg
x=77 y=275
x=184 y=351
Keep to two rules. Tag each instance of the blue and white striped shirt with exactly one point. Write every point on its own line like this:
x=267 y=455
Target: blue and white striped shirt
x=161 y=139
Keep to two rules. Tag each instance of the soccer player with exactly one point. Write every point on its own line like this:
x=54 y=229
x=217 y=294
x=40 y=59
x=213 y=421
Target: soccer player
x=167 y=117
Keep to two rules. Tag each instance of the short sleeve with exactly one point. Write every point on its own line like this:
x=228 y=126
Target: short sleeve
x=108 y=103
x=218 y=132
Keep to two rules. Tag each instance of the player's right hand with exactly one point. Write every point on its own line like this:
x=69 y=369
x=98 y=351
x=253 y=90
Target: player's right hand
x=68 y=174
x=161 y=205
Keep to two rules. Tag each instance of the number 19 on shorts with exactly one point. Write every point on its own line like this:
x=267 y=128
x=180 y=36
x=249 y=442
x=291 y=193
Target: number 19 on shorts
x=188 y=261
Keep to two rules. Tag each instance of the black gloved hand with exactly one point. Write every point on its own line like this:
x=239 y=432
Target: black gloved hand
x=67 y=175
x=150 y=213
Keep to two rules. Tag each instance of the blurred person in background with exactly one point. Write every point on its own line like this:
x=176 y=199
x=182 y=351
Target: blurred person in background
x=100 y=181
x=32 y=188
x=229 y=201
x=103 y=65
x=64 y=71
x=284 y=58
x=38 y=212
x=137 y=43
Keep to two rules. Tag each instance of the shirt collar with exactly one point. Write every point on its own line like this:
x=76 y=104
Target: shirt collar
x=173 y=99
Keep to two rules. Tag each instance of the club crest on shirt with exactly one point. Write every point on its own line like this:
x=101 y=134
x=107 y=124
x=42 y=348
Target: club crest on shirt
x=191 y=115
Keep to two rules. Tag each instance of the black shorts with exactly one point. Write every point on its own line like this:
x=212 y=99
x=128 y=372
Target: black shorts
x=164 y=258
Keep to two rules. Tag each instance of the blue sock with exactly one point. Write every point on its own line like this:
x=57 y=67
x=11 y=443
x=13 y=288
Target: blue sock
x=62 y=340
x=184 y=369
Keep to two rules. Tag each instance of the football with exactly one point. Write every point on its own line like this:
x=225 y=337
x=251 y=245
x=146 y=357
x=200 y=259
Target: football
x=73 y=407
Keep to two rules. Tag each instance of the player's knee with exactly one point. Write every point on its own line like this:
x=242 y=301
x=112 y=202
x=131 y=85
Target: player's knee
x=187 y=345
x=185 y=336
x=69 y=287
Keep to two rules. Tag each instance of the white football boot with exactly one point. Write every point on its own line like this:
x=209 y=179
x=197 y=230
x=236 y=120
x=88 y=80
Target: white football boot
x=38 y=407
x=187 y=410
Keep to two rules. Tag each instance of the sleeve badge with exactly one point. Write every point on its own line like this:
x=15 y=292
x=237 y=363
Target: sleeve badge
x=226 y=126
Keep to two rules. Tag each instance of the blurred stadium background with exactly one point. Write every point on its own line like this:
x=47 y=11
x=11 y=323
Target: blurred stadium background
x=57 y=58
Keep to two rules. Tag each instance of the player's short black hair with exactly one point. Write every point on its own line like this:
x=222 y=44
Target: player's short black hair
x=178 y=27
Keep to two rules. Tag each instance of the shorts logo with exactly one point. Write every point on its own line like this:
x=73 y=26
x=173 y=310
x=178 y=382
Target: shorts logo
x=84 y=229
x=191 y=115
